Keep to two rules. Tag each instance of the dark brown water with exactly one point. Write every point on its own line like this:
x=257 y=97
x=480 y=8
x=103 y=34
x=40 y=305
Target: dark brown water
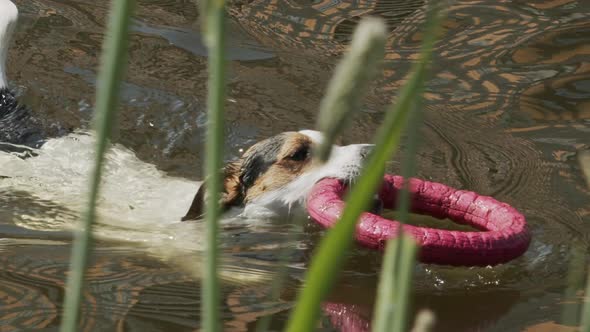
x=507 y=112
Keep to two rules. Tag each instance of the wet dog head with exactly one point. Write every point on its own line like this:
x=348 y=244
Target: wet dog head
x=276 y=174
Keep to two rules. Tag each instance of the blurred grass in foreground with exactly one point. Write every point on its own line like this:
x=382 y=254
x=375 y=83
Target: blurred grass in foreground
x=584 y=158
x=112 y=68
x=213 y=27
x=392 y=301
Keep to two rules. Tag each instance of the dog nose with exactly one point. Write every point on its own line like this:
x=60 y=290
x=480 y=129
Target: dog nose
x=366 y=150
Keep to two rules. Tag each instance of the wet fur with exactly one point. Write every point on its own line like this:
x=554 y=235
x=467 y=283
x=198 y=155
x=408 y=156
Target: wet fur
x=273 y=176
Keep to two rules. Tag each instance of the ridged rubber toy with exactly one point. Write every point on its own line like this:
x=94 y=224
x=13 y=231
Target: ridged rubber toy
x=503 y=236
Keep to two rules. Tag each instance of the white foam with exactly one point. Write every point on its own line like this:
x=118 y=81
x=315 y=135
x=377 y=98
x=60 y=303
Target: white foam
x=135 y=195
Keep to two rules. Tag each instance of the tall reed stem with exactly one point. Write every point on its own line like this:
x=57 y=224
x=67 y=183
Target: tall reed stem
x=113 y=62
x=398 y=262
x=214 y=30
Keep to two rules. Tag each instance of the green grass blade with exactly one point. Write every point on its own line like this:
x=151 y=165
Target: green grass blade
x=332 y=250
x=570 y=314
x=395 y=279
x=394 y=286
x=349 y=83
x=214 y=31
x=389 y=295
x=585 y=326
x=393 y=293
x=387 y=286
x=107 y=95
x=407 y=259
x=584 y=158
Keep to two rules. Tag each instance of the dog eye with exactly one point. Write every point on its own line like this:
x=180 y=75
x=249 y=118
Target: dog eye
x=300 y=155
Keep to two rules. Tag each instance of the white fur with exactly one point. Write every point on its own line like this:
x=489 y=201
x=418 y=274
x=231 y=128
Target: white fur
x=345 y=163
x=8 y=17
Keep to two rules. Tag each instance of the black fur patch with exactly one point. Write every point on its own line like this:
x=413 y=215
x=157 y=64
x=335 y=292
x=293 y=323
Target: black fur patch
x=259 y=159
x=17 y=123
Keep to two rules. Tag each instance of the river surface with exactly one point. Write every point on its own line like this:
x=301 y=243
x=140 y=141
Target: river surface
x=507 y=112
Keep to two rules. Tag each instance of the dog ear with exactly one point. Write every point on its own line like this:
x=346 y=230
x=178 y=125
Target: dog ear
x=231 y=195
x=197 y=206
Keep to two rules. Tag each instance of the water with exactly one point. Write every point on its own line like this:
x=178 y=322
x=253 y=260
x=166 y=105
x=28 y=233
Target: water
x=506 y=115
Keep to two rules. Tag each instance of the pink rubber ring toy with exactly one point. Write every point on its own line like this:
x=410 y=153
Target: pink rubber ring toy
x=503 y=236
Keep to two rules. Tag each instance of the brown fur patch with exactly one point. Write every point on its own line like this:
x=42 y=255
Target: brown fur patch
x=267 y=165
x=293 y=159
x=231 y=195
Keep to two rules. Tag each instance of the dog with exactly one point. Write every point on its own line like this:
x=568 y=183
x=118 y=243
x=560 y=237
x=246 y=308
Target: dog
x=275 y=175
x=272 y=178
